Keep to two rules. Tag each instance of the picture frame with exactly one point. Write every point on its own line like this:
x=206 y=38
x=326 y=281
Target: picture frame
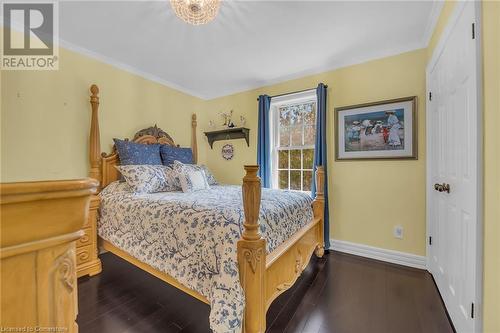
x=227 y=151
x=377 y=131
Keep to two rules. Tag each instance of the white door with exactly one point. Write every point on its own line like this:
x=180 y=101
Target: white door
x=453 y=169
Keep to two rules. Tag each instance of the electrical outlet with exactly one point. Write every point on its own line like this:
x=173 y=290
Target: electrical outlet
x=398 y=231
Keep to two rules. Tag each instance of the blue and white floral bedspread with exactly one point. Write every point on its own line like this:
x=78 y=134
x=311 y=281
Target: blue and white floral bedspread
x=193 y=236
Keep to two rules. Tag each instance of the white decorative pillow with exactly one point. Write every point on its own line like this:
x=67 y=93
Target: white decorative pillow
x=193 y=180
x=149 y=178
x=210 y=177
x=180 y=167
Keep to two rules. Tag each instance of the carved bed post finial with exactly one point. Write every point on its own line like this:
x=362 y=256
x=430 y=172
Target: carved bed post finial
x=252 y=255
x=319 y=208
x=95 y=141
x=194 y=144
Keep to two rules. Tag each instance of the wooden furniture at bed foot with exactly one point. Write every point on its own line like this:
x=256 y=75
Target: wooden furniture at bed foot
x=87 y=260
x=40 y=223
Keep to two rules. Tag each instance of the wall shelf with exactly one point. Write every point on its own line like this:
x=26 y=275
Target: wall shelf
x=228 y=134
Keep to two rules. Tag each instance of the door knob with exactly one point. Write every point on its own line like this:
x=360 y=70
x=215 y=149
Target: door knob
x=442 y=187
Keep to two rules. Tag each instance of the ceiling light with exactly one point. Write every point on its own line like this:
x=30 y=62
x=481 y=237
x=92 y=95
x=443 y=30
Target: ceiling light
x=196 y=12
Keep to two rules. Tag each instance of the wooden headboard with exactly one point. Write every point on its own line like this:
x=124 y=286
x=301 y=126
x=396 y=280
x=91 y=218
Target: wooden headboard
x=102 y=165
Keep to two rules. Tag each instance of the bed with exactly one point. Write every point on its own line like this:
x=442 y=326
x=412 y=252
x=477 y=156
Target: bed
x=235 y=248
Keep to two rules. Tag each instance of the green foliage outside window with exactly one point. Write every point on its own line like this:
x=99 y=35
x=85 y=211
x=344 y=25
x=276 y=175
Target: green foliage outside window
x=297 y=133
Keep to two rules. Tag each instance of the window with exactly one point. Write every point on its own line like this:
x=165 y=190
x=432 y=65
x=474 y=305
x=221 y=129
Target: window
x=293 y=132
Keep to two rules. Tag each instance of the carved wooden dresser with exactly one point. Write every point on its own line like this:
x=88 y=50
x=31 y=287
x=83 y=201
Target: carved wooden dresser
x=87 y=260
x=40 y=224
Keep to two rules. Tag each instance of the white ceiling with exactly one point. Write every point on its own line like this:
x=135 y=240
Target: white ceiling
x=249 y=44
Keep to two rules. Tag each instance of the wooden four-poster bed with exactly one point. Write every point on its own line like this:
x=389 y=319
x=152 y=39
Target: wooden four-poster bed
x=263 y=276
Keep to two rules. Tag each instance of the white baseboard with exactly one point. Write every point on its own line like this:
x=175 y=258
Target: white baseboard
x=395 y=257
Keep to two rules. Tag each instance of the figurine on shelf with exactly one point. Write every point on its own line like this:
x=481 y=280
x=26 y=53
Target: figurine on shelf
x=226 y=118
x=243 y=121
x=230 y=123
x=211 y=125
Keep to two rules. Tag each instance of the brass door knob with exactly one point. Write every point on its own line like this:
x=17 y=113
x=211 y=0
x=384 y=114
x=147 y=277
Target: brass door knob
x=442 y=187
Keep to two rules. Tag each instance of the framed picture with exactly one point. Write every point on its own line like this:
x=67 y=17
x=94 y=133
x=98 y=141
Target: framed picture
x=380 y=130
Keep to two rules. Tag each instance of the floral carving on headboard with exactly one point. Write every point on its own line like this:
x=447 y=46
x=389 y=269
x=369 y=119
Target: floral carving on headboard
x=156 y=132
x=149 y=135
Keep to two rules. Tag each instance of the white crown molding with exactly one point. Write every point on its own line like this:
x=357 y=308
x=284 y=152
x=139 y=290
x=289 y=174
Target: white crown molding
x=395 y=257
x=323 y=68
x=437 y=7
x=327 y=68
x=127 y=68
x=318 y=70
x=119 y=65
x=261 y=84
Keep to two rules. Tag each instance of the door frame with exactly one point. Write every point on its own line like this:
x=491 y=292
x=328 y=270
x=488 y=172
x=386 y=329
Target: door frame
x=453 y=19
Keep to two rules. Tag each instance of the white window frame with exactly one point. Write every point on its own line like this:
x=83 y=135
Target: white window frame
x=276 y=103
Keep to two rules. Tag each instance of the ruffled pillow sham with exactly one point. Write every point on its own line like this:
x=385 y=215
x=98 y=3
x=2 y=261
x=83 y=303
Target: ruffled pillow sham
x=180 y=167
x=149 y=178
x=193 y=180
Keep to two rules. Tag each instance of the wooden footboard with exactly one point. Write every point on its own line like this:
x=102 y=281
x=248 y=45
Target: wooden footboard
x=265 y=277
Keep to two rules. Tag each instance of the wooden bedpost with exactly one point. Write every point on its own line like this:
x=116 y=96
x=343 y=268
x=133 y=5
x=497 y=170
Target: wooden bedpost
x=95 y=141
x=194 y=144
x=319 y=209
x=252 y=255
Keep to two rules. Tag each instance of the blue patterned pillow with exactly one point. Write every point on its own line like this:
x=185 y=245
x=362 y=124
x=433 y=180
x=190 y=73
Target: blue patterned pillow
x=132 y=153
x=169 y=154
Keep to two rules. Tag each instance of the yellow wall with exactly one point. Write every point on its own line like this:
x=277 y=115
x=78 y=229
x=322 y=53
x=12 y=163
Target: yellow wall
x=45 y=116
x=491 y=99
x=368 y=198
x=491 y=79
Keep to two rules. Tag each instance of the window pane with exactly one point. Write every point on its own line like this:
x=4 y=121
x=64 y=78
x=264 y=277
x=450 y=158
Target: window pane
x=284 y=117
x=284 y=137
x=283 y=179
x=295 y=159
x=308 y=158
x=295 y=180
x=296 y=135
x=283 y=159
x=306 y=180
x=296 y=128
x=295 y=117
x=309 y=135
x=310 y=116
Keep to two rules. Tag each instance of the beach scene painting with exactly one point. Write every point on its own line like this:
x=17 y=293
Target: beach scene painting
x=377 y=130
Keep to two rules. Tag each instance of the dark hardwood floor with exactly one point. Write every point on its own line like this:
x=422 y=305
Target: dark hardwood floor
x=340 y=293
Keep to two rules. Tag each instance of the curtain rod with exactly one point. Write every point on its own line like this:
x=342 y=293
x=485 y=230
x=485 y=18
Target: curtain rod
x=293 y=92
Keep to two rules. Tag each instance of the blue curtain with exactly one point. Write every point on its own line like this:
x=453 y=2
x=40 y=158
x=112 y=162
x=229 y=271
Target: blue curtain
x=320 y=152
x=264 y=141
